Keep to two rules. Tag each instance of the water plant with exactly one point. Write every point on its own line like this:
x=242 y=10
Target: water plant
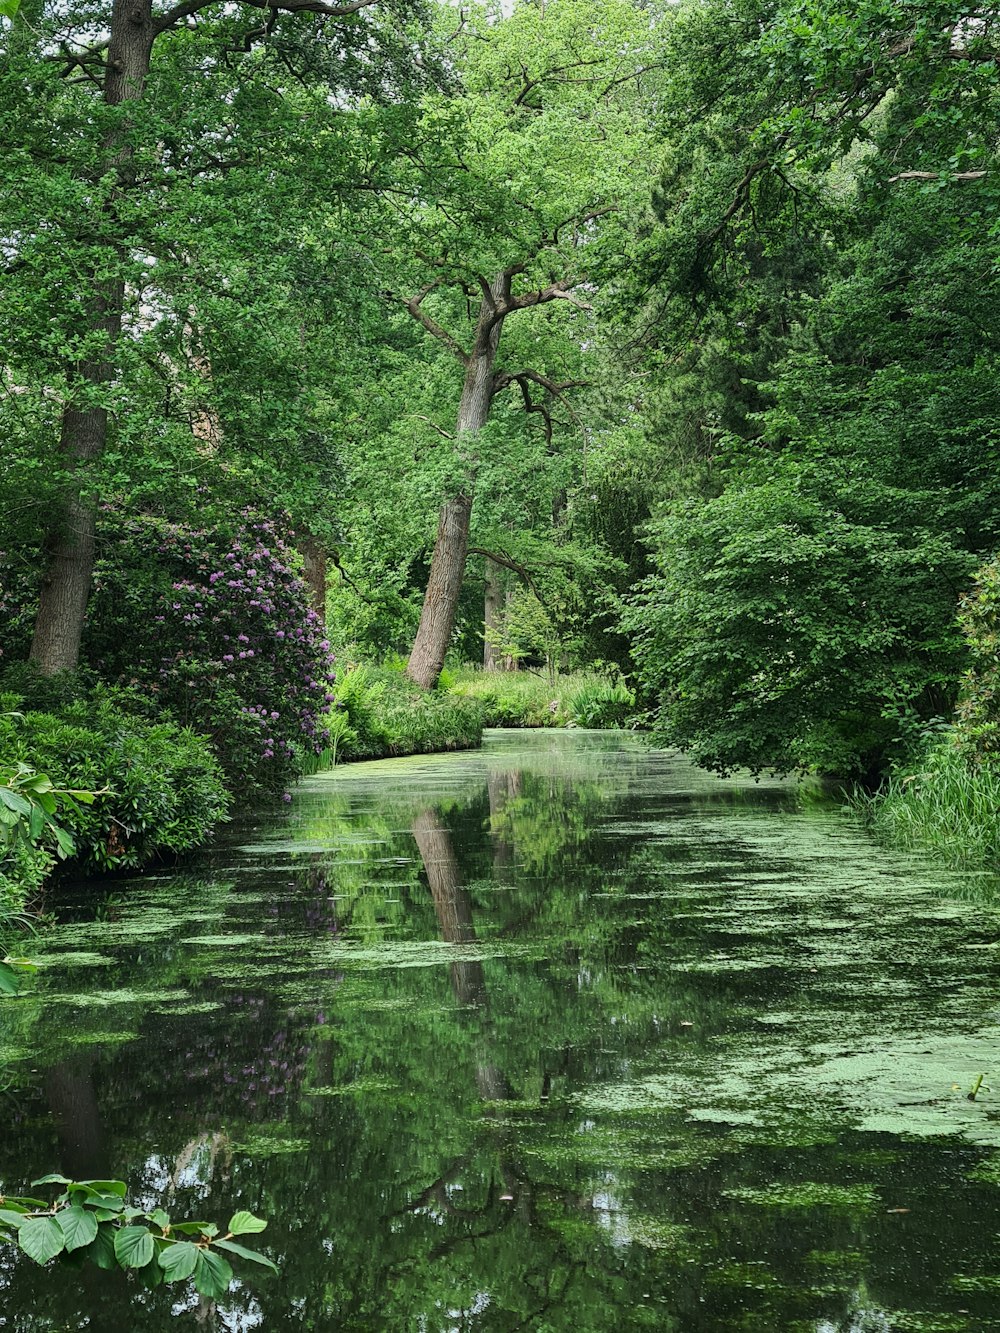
x=945 y=803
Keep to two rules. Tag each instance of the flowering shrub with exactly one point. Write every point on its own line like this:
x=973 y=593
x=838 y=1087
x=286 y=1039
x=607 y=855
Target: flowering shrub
x=215 y=627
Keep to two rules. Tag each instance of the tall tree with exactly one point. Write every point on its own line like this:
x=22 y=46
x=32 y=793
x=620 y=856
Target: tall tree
x=83 y=192
x=823 y=234
x=525 y=176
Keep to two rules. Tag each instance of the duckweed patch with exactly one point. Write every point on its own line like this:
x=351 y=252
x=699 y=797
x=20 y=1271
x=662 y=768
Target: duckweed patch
x=807 y=1194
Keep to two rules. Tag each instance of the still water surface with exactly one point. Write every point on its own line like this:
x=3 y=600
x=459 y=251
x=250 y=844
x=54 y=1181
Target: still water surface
x=560 y=1035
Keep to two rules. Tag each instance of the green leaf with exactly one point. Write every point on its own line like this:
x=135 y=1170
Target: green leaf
x=11 y=1218
x=151 y=1275
x=243 y=1224
x=77 y=1225
x=133 y=1247
x=178 y=1261
x=160 y=1218
x=10 y=982
x=105 y=1202
x=101 y=1251
x=244 y=1253
x=8 y=8
x=51 y=1180
x=40 y=1239
x=65 y=843
x=212 y=1275
x=12 y=799
x=191 y=1228
x=102 y=1186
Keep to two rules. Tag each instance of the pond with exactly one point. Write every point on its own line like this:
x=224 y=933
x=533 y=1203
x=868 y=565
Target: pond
x=558 y=1035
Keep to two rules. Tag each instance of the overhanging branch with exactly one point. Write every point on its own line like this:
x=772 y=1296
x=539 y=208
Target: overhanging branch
x=187 y=7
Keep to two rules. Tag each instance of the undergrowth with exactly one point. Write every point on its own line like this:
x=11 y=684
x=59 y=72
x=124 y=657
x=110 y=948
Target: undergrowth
x=378 y=714
x=523 y=699
x=949 y=805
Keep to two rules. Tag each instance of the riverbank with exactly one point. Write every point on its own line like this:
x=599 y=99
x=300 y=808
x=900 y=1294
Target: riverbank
x=379 y=714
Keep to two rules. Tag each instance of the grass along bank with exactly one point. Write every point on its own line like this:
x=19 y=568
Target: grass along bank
x=948 y=805
x=524 y=699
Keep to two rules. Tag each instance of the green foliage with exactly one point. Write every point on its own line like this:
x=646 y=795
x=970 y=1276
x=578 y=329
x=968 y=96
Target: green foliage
x=379 y=713
x=977 y=731
x=801 y=620
x=31 y=838
x=947 y=799
x=824 y=380
x=524 y=699
x=232 y=649
x=944 y=803
x=90 y=1221
x=600 y=702
x=162 y=790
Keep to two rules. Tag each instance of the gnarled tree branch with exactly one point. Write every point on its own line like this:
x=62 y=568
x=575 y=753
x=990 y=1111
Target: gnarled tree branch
x=415 y=306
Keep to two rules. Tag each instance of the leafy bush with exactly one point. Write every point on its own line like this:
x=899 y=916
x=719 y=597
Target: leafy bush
x=791 y=627
x=522 y=699
x=948 y=801
x=215 y=627
x=946 y=804
x=379 y=713
x=598 y=702
x=23 y=870
x=164 y=789
x=513 y=698
x=30 y=836
x=978 y=712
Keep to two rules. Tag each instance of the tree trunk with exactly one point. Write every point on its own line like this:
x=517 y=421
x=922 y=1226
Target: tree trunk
x=492 y=619
x=437 y=618
x=69 y=542
x=314 y=573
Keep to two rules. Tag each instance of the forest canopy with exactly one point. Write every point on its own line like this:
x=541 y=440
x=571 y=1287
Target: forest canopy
x=659 y=335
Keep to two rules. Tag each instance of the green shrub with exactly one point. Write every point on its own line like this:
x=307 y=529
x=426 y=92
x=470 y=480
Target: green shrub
x=23 y=871
x=164 y=789
x=804 y=619
x=379 y=713
x=978 y=711
x=213 y=624
x=949 y=801
x=523 y=699
x=601 y=703
x=514 y=698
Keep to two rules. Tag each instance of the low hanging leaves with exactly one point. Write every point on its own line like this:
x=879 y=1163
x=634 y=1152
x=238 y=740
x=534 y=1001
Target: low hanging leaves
x=91 y=1220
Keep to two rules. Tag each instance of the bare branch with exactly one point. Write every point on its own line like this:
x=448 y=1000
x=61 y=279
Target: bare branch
x=524 y=378
x=508 y=562
x=568 y=296
x=445 y=434
x=549 y=74
x=528 y=299
x=937 y=175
